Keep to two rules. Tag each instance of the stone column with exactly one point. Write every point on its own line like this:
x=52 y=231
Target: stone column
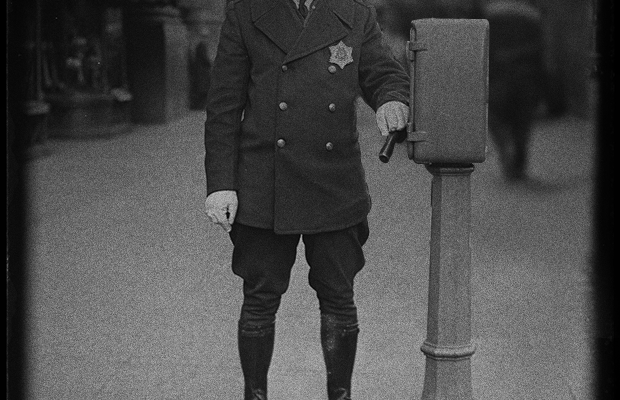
x=157 y=43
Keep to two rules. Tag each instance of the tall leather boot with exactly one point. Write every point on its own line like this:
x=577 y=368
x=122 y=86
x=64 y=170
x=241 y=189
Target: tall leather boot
x=255 y=351
x=339 y=344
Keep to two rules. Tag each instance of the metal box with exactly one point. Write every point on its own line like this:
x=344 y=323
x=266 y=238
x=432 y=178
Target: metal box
x=449 y=90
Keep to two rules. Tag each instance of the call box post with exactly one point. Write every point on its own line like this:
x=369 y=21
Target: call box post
x=447 y=133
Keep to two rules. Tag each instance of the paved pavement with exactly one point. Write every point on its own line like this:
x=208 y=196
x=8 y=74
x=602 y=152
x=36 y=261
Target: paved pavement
x=130 y=293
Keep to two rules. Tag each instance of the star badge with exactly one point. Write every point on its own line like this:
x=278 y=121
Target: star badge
x=341 y=54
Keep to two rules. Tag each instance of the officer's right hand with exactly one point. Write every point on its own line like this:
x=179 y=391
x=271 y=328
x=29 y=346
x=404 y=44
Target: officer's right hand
x=392 y=116
x=221 y=208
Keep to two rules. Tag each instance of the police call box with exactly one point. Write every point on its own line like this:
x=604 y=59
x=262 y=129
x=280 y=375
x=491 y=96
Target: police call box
x=449 y=90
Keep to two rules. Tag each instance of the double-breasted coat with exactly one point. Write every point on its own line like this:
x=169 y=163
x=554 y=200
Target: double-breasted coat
x=281 y=114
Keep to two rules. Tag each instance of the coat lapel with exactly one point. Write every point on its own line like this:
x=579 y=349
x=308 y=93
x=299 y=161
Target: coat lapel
x=278 y=22
x=327 y=24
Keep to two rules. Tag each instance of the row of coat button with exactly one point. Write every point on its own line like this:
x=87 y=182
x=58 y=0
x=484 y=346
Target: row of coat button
x=332 y=68
x=283 y=106
x=281 y=143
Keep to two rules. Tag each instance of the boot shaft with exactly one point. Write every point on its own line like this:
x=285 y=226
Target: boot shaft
x=339 y=343
x=255 y=352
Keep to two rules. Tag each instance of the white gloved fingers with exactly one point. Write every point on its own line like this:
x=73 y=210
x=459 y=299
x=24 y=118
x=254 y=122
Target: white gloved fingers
x=229 y=215
x=218 y=217
x=397 y=115
x=221 y=208
x=382 y=123
x=403 y=116
x=392 y=119
x=222 y=219
x=232 y=212
x=212 y=216
x=392 y=116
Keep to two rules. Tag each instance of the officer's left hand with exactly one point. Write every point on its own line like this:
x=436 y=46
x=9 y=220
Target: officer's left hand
x=221 y=208
x=392 y=116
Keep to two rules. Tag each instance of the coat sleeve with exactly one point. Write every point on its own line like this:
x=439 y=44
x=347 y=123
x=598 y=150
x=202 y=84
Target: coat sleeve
x=225 y=103
x=382 y=78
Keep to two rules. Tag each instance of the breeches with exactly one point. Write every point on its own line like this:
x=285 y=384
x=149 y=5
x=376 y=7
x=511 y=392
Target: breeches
x=264 y=260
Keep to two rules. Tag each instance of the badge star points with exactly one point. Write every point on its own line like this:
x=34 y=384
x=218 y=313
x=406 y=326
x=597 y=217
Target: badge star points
x=341 y=54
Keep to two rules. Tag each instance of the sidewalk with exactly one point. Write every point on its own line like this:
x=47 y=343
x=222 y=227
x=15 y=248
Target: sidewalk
x=132 y=296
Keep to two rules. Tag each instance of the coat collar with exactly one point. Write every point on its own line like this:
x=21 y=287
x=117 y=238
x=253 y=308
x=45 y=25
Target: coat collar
x=328 y=23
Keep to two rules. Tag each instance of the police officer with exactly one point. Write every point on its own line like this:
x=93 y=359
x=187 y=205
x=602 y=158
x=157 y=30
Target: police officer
x=283 y=162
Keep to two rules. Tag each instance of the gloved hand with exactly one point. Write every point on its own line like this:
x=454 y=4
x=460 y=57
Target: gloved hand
x=392 y=116
x=221 y=208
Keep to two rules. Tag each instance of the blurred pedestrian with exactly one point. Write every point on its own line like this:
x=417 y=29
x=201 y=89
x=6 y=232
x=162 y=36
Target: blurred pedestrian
x=395 y=30
x=283 y=162
x=200 y=75
x=516 y=80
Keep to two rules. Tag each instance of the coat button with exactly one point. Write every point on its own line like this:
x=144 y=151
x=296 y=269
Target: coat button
x=332 y=69
x=281 y=143
x=332 y=107
x=283 y=106
x=329 y=146
x=284 y=67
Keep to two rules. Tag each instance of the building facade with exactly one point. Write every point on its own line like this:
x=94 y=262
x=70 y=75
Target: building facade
x=79 y=68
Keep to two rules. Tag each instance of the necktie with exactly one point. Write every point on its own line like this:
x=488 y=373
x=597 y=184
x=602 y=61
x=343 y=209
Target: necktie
x=303 y=10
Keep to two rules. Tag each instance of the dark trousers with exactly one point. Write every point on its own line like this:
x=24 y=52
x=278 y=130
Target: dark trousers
x=264 y=260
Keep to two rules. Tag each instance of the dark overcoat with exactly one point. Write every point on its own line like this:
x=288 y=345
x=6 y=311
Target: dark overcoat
x=281 y=114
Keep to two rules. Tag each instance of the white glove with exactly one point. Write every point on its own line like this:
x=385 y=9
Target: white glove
x=392 y=116
x=221 y=208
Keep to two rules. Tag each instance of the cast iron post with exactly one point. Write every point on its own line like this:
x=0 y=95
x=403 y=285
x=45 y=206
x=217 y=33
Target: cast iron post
x=448 y=346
